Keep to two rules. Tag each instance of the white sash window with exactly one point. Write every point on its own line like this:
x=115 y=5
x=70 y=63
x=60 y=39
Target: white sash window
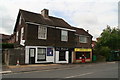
x=42 y=32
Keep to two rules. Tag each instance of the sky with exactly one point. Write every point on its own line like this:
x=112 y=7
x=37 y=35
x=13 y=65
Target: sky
x=92 y=15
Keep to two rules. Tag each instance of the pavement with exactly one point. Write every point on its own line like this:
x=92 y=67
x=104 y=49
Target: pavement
x=38 y=67
x=31 y=67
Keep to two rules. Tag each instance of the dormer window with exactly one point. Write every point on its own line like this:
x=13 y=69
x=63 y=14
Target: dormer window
x=42 y=32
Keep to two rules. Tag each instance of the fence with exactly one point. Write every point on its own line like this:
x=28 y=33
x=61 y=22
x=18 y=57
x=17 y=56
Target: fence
x=11 y=56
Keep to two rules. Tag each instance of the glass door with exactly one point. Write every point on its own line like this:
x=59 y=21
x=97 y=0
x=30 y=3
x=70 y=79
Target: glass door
x=32 y=55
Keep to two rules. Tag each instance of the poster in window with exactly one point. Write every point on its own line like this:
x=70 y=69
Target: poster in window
x=49 y=52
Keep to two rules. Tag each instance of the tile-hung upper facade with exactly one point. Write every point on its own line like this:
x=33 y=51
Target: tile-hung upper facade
x=45 y=38
x=82 y=46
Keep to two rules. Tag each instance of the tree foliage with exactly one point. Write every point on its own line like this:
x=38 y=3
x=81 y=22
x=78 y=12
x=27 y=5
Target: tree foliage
x=109 y=40
x=7 y=45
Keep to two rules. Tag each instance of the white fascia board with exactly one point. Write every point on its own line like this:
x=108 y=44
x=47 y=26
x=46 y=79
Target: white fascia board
x=66 y=29
x=51 y=26
x=39 y=24
x=36 y=46
x=84 y=35
x=32 y=23
x=81 y=35
x=77 y=34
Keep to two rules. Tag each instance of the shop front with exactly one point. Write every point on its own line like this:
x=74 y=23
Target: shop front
x=61 y=55
x=39 y=54
x=82 y=55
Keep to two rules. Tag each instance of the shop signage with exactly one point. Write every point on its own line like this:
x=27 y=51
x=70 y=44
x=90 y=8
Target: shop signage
x=82 y=50
x=61 y=49
x=49 y=51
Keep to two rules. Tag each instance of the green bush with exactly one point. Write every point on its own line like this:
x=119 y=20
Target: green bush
x=7 y=45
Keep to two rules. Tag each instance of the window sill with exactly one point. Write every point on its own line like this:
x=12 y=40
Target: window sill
x=62 y=60
x=41 y=60
x=42 y=38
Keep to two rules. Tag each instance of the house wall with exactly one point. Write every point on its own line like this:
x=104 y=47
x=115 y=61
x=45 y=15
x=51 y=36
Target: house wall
x=32 y=37
x=18 y=29
x=69 y=43
x=53 y=37
x=84 y=45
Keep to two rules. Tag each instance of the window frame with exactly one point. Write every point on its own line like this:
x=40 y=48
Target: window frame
x=42 y=32
x=17 y=36
x=63 y=36
x=43 y=53
x=85 y=39
x=63 y=55
x=22 y=33
x=20 y=20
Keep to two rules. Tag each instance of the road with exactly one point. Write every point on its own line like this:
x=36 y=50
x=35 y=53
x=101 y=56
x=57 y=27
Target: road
x=99 y=70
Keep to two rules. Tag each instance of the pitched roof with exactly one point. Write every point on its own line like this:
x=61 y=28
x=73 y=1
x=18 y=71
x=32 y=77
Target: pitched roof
x=81 y=31
x=38 y=18
x=4 y=36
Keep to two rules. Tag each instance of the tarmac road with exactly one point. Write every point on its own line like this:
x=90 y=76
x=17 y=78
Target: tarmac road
x=101 y=70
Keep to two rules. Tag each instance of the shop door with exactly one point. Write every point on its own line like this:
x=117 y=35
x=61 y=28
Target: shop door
x=32 y=55
x=70 y=57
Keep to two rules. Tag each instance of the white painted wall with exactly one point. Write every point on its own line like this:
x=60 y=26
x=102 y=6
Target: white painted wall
x=57 y=57
x=48 y=58
x=26 y=55
x=22 y=42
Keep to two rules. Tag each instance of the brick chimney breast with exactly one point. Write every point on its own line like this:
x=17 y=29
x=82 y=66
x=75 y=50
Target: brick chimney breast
x=45 y=13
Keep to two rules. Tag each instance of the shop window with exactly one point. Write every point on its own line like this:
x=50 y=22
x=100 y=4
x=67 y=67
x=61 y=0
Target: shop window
x=62 y=56
x=79 y=55
x=87 y=54
x=41 y=54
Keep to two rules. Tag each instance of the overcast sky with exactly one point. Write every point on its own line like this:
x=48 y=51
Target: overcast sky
x=92 y=15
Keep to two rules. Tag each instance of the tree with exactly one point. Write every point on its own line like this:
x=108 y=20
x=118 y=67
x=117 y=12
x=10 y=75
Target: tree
x=110 y=37
x=109 y=40
x=7 y=45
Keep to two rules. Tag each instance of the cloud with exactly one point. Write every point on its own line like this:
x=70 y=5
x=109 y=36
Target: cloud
x=91 y=15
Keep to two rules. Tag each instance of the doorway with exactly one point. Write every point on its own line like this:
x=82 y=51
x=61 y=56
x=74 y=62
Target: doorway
x=70 y=56
x=32 y=55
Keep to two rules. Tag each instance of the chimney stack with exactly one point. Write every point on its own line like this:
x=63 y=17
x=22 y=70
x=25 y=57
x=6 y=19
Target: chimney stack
x=45 y=13
x=88 y=31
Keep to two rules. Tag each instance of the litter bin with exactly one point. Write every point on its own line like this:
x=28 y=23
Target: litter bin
x=94 y=58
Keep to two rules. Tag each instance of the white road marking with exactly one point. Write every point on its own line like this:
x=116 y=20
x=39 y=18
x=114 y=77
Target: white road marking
x=111 y=62
x=79 y=75
x=5 y=72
